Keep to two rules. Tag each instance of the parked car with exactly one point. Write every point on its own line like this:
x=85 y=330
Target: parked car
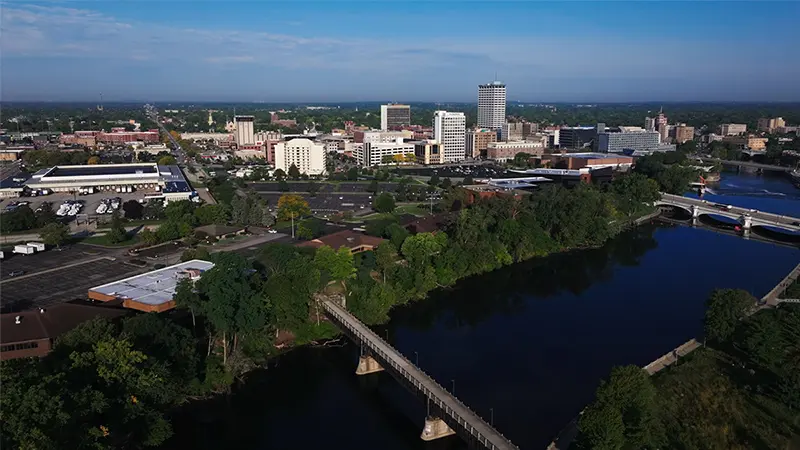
x=16 y=273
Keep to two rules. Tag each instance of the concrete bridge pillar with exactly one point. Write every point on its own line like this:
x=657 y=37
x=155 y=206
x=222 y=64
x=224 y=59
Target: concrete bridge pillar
x=367 y=365
x=435 y=428
x=695 y=211
x=746 y=221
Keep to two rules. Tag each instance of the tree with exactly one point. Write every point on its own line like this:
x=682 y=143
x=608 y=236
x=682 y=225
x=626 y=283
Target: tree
x=384 y=203
x=313 y=188
x=385 y=258
x=133 y=210
x=447 y=183
x=724 y=309
x=352 y=174
x=396 y=234
x=93 y=160
x=45 y=214
x=294 y=172
x=148 y=236
x=279 y=174
x=338 y=263
x=468 y=180
x=211 y=214
x=373 y=187
x=634 y=191
x=434 y=180
x=602 y=428
x=187 y=298
x=675 y=179
x=304 y=232
x=167 y=161
x=117 y=231
x=292 y=206
x=54 y=233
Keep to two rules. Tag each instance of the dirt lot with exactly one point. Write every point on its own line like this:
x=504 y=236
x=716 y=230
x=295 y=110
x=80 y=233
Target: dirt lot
x=61 y=284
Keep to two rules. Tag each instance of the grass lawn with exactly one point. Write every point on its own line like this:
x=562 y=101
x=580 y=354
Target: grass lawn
x=103 y=240
x=412 y=209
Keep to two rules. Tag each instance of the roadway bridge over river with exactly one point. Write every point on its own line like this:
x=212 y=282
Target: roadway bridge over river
x=746 y=217
x=454 y=416
x=750 y=164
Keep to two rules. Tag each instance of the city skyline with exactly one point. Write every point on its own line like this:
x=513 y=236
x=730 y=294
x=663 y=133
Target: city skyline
x=335 y=52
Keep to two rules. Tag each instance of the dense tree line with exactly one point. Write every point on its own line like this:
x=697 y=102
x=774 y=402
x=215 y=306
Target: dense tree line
x=741 y=392
x=488 y=235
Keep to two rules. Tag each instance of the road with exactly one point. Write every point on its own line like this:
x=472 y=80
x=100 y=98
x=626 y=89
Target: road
x=788 y=222
x=180 y=155
x=746 y=164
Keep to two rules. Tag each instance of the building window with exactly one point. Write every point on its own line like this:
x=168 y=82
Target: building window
x=16 y=347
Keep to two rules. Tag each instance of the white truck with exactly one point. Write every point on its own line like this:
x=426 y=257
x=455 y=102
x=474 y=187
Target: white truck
x=39 y=246
x=24 y=249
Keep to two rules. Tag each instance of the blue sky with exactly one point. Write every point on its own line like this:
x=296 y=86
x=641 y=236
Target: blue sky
x=329 y=51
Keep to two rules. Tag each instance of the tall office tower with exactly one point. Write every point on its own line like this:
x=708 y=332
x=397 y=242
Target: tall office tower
x=450 y=129
x=244 y=130
x=650 y=124
x=492 y=106
x=394 y=117
x=662 y=125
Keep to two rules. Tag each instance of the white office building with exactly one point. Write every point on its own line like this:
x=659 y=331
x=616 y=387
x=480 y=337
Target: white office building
x=383 y=153
x=307 y=155
x=244 y=130
x=629 y=140
x=450 y=129
x=492 y=105
x=385 y=136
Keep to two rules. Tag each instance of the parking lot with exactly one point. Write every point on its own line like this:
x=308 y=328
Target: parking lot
x=346 y=187
x=48 y=259
x=461 y=171
x=61 y=284
x=328 y=202
x=90 y=202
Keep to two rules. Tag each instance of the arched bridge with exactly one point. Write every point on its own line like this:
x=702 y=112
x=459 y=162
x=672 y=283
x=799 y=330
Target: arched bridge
x=455 y=417
x=746 y=217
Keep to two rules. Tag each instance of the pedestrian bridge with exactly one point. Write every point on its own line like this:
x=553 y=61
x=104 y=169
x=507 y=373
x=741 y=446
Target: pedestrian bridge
x=453 y=416
x=746 y=217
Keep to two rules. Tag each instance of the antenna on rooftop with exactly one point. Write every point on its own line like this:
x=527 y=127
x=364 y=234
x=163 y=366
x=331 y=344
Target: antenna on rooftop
x=100 y=105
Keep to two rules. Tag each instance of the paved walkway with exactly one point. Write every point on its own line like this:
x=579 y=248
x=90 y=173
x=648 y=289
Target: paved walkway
x=450 y=405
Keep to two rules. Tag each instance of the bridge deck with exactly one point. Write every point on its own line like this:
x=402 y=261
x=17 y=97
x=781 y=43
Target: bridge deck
x=758 y=217
x=449 y=404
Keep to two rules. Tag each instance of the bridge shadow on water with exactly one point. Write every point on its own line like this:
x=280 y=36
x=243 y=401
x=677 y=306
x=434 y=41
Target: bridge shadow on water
x=732 y=227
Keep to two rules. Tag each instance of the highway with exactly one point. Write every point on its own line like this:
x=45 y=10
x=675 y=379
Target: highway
x=788 y=222
x=180 y=154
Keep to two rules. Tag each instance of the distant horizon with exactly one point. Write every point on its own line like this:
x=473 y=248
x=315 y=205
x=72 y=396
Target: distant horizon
x=382 y=102
x=331 y=52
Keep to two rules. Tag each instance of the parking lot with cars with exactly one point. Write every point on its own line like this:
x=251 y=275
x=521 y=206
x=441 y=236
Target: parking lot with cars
x=461 y=171
x=345 y=187
x=327 y=202
x=89 y=202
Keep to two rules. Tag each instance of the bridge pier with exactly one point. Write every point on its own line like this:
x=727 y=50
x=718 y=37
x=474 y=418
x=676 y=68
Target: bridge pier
x=746 y=221
x=695 y=212
x=367 y=364
x=435 y=428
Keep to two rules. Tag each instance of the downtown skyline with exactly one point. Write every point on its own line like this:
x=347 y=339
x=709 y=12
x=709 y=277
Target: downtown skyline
x=387 y=51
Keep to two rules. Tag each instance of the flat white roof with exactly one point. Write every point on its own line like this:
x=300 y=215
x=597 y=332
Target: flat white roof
x=152 y=288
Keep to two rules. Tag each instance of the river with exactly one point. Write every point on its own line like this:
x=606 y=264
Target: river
x=527 y=344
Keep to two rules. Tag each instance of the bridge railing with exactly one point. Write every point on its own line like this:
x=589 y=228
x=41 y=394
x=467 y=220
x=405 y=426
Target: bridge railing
x=369 y=338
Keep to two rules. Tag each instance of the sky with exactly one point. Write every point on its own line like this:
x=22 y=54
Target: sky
x=403 y=51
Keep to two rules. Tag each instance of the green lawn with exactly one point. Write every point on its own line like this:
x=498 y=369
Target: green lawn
x=103 y=240
x=412 y=209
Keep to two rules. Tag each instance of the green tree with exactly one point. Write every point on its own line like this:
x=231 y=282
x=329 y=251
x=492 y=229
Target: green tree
x=352 y=174
x=373 y=187
x=304 y=232
x=724 y=309
x=675 y=179
x=211 y=214
x=187 y=298
x=45 y=215
x=385 y=258
x=133 y=210
x=447 y=183
x=54 y=233
x=338 y=263
x=279 y=174
x=294 y=172
x=167 y=161
x=148 y=237
x=633 y=192
x=434 y=180
x=384 y=203
x=117 y=231
x=601 y=428
x=396 y=234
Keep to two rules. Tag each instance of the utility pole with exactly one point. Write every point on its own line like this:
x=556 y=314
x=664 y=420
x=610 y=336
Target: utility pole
x=292 y=225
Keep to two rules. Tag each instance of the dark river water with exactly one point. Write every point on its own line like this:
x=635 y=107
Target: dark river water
x=527 y=344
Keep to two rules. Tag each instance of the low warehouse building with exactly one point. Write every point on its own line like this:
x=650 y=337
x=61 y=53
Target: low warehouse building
x=152 y=291
x=167 y=180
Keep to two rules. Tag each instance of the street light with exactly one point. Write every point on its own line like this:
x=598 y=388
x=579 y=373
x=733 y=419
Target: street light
x=491 y=412
x=453 y=391
x=417 y=358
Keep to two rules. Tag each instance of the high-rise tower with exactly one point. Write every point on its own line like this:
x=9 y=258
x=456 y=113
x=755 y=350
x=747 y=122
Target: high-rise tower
x=492 y=105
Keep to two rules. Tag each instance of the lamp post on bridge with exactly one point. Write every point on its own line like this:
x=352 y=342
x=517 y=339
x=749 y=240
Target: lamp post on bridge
x=416 y=357
x=453 y=391
x=491 y=414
